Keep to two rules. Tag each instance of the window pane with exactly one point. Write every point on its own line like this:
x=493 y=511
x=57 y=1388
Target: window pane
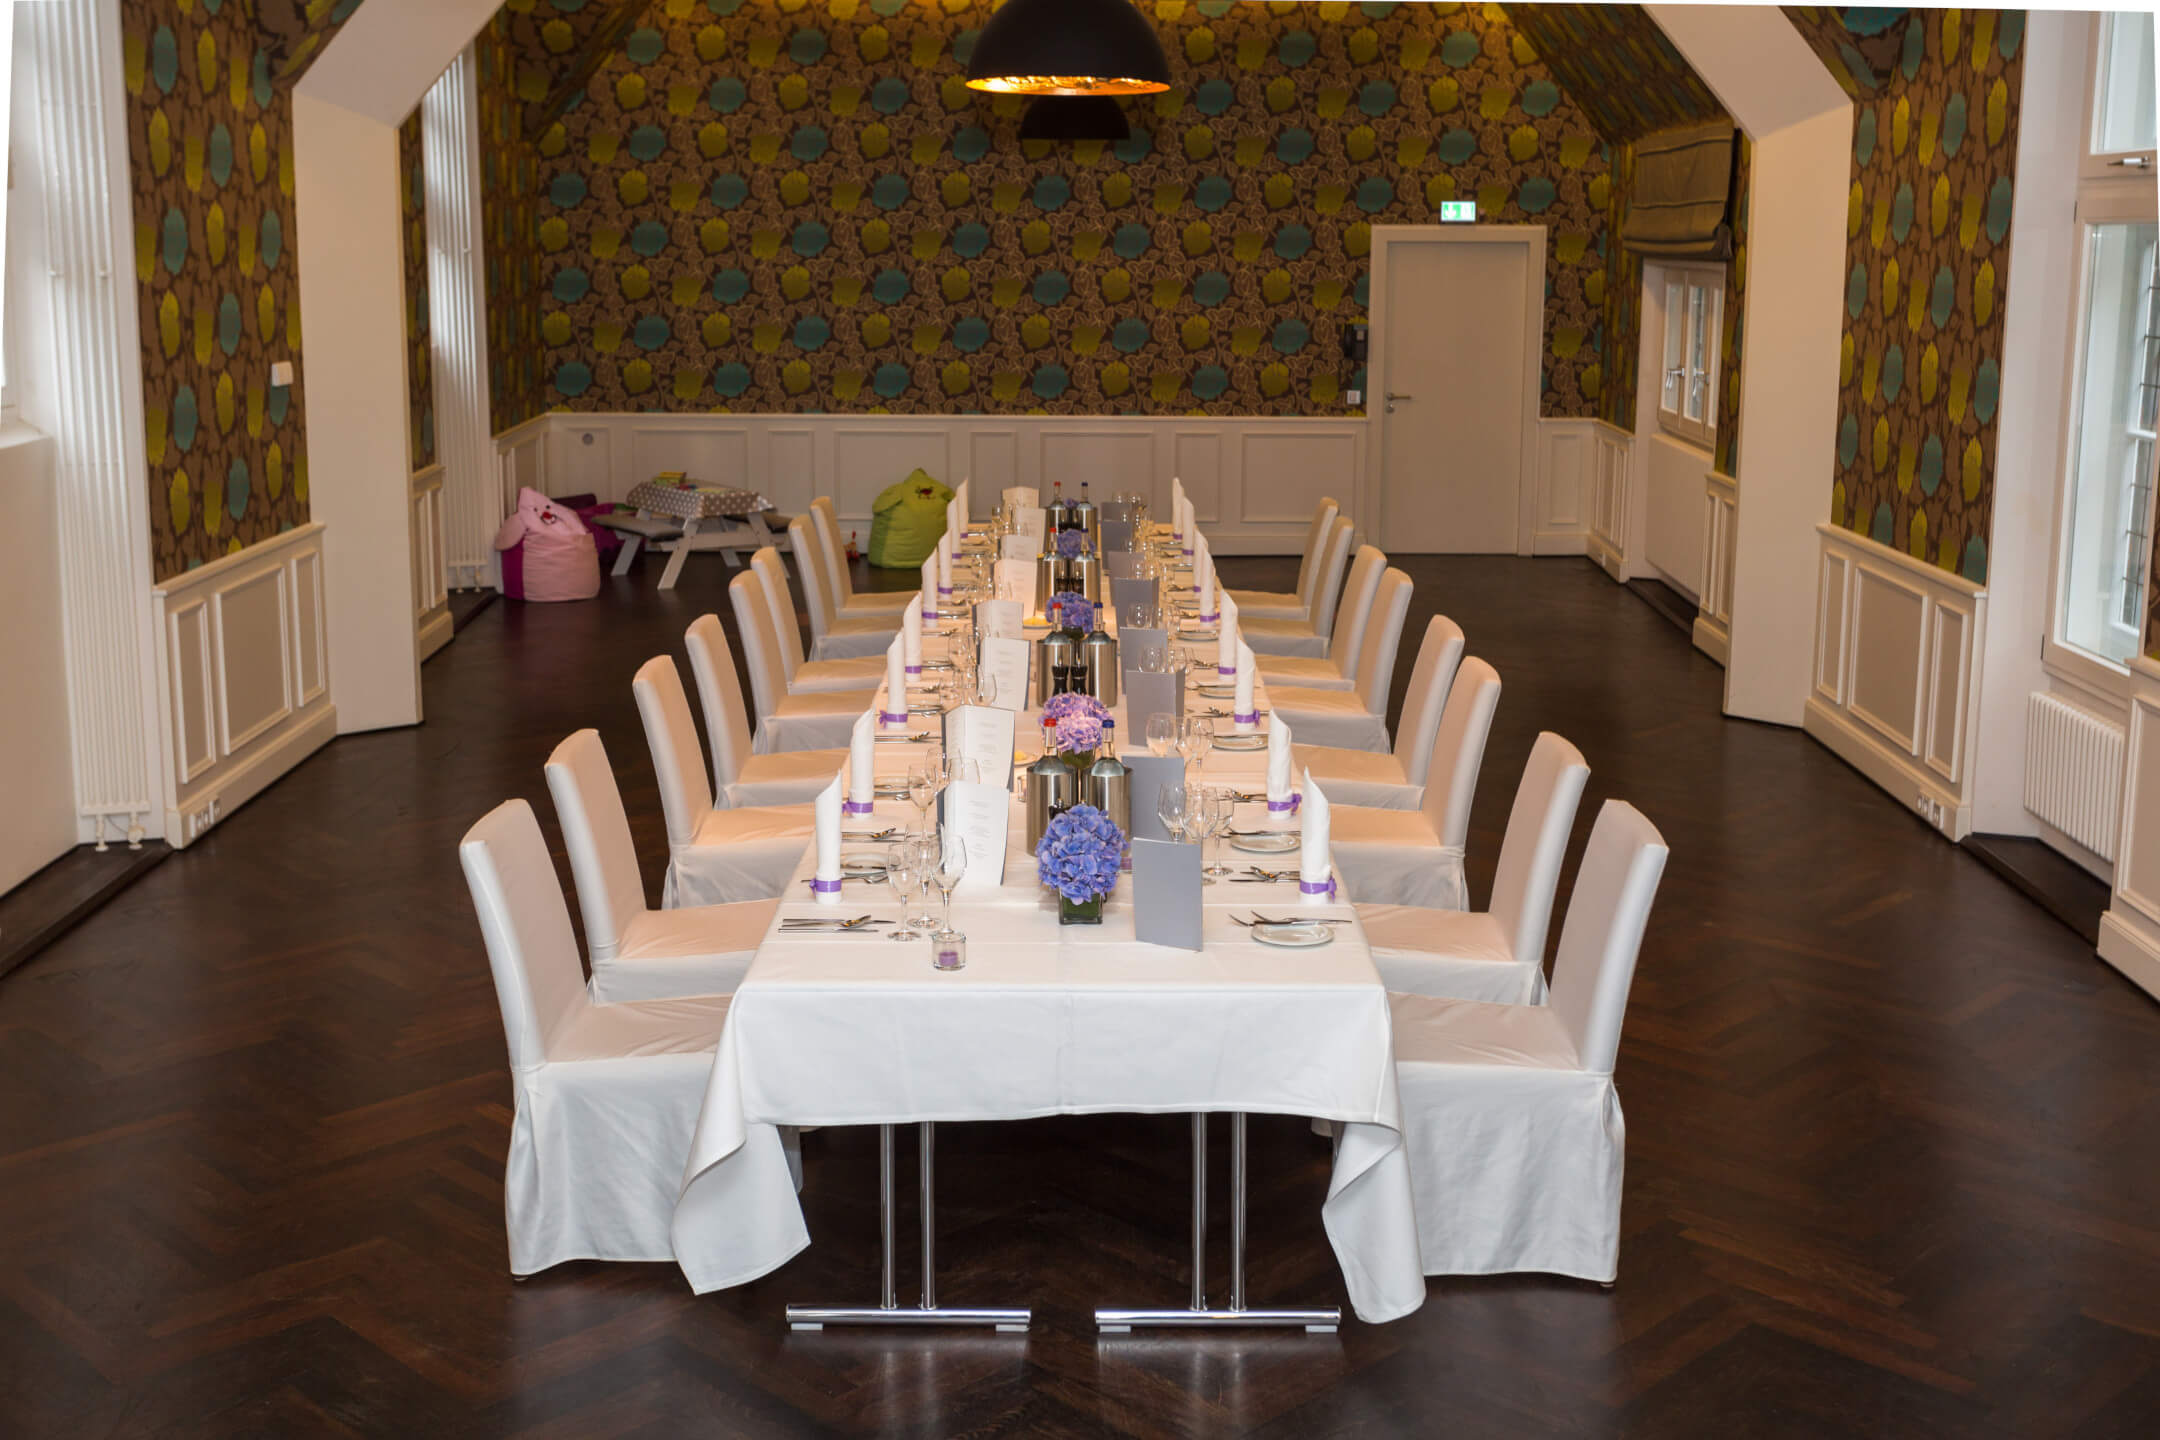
x=1698 y=379
x=1675 y=346
x=2123 y=113
x=2105 y=533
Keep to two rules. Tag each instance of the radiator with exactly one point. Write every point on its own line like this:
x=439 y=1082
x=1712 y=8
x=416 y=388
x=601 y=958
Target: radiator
x=2074 y=771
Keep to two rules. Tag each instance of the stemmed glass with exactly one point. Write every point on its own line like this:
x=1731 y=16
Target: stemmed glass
x=1221 y=816
x=903 y=875
x=922 y=788
x=1196 y=739
x=923 y=854
x=1170 y=809
x=1162 y=733
x=950 y=870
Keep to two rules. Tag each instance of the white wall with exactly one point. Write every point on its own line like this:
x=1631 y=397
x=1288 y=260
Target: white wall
x=39 y=824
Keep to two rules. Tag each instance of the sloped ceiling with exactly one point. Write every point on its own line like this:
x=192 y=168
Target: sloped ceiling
x=1860 y=45
x=558 y=44
x=1615 y=63
x=293 y=32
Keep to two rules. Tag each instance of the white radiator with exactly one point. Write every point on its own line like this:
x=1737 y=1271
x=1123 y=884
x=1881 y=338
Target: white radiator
x=2074 y=771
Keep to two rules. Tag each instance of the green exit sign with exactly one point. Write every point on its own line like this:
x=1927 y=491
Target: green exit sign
x=1458 y=212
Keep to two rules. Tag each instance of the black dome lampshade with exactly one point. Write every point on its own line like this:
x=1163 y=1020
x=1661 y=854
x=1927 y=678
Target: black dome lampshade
x=1068 y=47
x=1074 y=117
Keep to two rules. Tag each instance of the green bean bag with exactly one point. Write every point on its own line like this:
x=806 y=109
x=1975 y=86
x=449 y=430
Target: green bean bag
x=909 y=518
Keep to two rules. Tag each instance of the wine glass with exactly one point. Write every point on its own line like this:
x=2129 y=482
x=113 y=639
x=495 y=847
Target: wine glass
x=1170 y=809
x=902 y=874
x=922 y=788
x=1196 y=739
x=1221 y=814
x=1161 y=733
x=922 y=853
x=950 y=870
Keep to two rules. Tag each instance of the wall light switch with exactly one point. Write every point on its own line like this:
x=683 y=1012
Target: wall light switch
x=1353 y=397
x=281 y=373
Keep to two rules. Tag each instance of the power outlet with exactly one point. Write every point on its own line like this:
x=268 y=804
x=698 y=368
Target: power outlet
x=1928 y=808
x=281 y=374
x=202 y=819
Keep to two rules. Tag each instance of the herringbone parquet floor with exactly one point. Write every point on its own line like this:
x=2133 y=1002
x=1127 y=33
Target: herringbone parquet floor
x=1892 y=1170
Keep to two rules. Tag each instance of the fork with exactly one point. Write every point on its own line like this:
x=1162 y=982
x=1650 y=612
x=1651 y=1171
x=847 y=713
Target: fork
x=1259 y=919
x=812 y=924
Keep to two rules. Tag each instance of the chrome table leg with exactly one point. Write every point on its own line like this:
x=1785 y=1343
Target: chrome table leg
x=888 y=1310
x=1317 y=1320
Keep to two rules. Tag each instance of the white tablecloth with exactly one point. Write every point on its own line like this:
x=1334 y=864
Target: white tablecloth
x=1046 y=1019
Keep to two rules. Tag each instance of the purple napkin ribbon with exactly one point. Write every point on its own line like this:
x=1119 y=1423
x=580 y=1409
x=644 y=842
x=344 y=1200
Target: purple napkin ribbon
x=1289 y=806
x=891 y=719
x=825 y=887
x=1306 y=887
x=857 y=807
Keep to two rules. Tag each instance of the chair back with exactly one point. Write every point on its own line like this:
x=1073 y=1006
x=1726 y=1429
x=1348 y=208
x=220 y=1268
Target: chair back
x=531 y=948
x=1458 y=750
x=1316 y=534
x=826 y=521
x=1320 y=608
x=779 y=610
x=1357 y=603
x=753 y=622
x=809 y=564
x=1535 y=844
x=719 y=689
x=1602 y=935
x=1437 y=658
x=670 y=733
x=1382 y=638
x=603 y=860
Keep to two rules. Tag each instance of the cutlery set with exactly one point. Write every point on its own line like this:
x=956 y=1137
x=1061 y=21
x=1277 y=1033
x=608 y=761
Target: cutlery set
x=1259 y=919
x=800 y=926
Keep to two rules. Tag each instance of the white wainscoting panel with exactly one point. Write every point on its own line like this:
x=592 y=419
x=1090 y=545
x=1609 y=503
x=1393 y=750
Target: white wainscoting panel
x=242 y=680
x=1897 y=648
x=431 y=568
x=1611 y=494
x=2130 y=930
x=1254 y=480
x=1566 y=486
x=1721 y=521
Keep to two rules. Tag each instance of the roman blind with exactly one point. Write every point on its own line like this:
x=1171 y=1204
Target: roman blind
x=1683 y=181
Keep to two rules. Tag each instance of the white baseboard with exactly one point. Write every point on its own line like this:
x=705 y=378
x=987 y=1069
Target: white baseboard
x=248 y=776
x=2129 y=949
x=1916 y=789
x=435 y=633
x=1559 y=542
x=1712 y=639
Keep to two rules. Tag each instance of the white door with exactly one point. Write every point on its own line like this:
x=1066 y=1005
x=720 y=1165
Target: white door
x=1457 y=334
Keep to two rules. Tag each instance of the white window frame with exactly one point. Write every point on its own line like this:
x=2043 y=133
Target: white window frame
x=1699 y=287
x=2108 y=194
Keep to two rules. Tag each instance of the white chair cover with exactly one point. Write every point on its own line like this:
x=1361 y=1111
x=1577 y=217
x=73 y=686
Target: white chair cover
x=639 y=953
x=1274 y=604
x=1354 y=719
x=1415 y=857
x=1497 y=954
x=833 y=636
x=1271 y=636
x=741 y=777
x=1338 y=670
x=818 y=720
x=862 y=672
x=714 y=856
x=850 y=601
x=1396 y=781
x=597 y=1150
x=1512 y=1124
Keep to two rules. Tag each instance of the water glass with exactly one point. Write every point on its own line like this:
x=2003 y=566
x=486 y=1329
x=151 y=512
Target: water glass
x=951 y=869
x=1170 y=809
x=922 y=788
x=1162 y=733
x=922 y=852
x=901 y=873
x=1221 y=814
x=1196 y=739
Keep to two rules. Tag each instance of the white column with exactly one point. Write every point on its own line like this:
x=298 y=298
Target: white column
x=457 y=315
x=89 y=399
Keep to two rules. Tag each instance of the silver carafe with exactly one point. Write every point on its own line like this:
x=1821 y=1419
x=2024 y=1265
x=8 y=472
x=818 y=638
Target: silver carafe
x=1099 y=652
x=1083 y=575
x=1053 y=787
x=1054 y=651
x=1046 y=576
x=1086 y=519
x=1108 y=787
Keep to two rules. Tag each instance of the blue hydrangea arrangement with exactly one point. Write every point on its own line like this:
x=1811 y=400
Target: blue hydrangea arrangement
x=1079 y=613
x=1079 y=854
x=1079 y=735
x=1074 y=702
x=1071 y=544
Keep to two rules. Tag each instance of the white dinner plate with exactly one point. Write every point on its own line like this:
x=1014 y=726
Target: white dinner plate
x=861 y=866
x=1294 y=937
x=1217 y=692
x=1241 y=742
x=1277 y=842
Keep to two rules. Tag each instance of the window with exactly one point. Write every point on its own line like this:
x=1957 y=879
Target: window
x=2106 y=524
x=1687 y=394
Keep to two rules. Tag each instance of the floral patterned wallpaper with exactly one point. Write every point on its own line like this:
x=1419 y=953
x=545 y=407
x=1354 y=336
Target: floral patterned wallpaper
x=509 y=224
x=1732 y=325
x=1934 y=146
x=419 y=361
x=801 y=208
x=209 y=123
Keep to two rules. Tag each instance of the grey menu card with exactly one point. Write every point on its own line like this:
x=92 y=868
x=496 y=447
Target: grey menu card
x=1148 y=695
x=1126 y=591
x=1150 y=775
x=1136 y=643
x=1122 y=564
x=1166 y=893
x=1117 y=537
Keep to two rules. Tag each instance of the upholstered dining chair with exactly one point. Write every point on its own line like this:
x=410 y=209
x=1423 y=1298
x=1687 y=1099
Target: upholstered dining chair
x=1309 y=637
x=813 y=720
x=1393 y=779
x=840 y=580
x=1511 y=1122
x=741 y=777
x=1415 y=857
x=1498 y=953
x=861 y=673
x=833 y=636
x=637 y=953
x=1337 y=670
x=1274 y=604
x=1354 y=719
x=714 y=856
x=606 y=1096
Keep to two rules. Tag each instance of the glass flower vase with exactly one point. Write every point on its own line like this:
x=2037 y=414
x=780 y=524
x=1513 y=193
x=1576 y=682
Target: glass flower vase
x=1080 y=760
x=1080 y=912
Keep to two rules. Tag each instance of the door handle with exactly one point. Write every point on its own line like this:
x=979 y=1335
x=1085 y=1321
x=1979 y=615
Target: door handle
x=1393 y=397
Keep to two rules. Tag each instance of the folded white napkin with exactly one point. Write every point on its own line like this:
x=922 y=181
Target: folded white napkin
x=1314 y=864
x=944 y=563
x=1203 y=570
x=911 y=636
x=1226 y=648
x=1177 y=505
x=862 y=764
x=929 y=583
x=1278 y=765
x=1242 y=713
x=895 y=712
x=1191 y=532
x=825 y=815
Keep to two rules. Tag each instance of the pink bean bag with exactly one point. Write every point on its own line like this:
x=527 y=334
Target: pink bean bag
x=547 y=553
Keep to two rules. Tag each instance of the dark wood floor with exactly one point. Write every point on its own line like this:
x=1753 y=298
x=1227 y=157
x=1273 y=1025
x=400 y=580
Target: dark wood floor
x=1892 y=1170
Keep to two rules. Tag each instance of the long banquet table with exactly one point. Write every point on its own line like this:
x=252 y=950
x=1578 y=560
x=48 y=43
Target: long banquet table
x=843 y=1029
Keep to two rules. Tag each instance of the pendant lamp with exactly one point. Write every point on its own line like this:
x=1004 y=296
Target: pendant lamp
x=1074 y=117
x=1068 y=47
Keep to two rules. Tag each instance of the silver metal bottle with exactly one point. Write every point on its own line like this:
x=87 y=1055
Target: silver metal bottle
x=1108 y=784
x=1052 y=788
x=1101 y=654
